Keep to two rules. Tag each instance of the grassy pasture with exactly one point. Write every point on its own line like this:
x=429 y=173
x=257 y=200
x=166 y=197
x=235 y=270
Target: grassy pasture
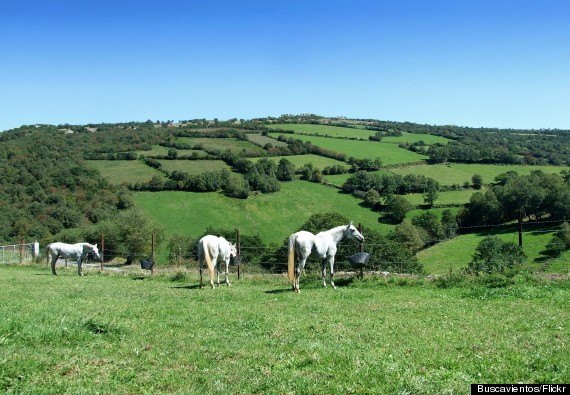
x=223 y=144
x=336 y=131
x=124 y=171
x=193 y=166
x=458 y=252
x=461 y=196
x=261 y=140
x=273 y=216
x=126 y=335
x=299 y=161
x=458 y=173
x=390 y=154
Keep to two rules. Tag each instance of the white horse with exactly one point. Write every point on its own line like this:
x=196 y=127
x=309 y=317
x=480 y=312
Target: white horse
x=322 y=245
x=75 y=252
x=210 y=248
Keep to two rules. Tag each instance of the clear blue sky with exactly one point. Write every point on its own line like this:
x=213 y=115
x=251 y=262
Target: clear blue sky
x=494 y=63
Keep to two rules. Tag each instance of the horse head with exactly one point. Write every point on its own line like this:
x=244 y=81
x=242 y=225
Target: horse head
x=353 y=233
x=95 y=251
x=233 y=250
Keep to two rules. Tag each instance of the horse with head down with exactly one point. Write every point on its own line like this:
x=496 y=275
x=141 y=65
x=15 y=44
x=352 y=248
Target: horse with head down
x=210 y=248
x=76 y=252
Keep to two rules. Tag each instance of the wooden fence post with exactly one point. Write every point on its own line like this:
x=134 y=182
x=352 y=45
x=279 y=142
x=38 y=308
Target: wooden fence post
x=361 y=249
x=152 y=255
x=238 y=248
x=102 y=250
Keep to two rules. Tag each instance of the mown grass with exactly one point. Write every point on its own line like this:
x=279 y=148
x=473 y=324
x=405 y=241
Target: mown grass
x=299 y=161
x=455 y=254
x=125 y=171
x=336 y=131
x=124 y=334
x=459 y=173
x=273 y=216
x=223 y=144
x=390 y=154
x=261 y=140
x=193 y=166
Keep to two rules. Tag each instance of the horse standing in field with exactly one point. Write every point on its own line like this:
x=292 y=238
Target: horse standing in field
x=76 y=252
x=210 y=248
x=322 y=245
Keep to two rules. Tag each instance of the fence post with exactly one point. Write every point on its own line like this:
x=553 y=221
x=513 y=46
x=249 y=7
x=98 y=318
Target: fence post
x=520 y=229
x=361 y=248
x=238 y=248
x=21 y=251
x=102 y=250
x=152 y=255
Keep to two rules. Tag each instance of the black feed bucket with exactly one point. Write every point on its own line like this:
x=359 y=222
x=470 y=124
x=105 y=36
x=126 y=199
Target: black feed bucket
x=235 y=260
x=147 y=264
x=359 y=260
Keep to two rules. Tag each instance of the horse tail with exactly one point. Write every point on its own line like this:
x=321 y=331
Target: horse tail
x=47 y=253
x=208 y=259
x=291 y=261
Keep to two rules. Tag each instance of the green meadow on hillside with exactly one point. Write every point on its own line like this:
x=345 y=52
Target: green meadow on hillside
x=193 y=166
x=389 y=153
x=336 y=131
x=125 y=171
x=461 y=196
x=455 y=254
x=459 y=173
x=273 y=216
x=222 y=144
x=299 y=161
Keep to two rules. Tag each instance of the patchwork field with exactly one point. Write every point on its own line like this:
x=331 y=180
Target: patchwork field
x=461 y=196
x=223 y=144
x=125 y=171
x=389 y=153
x=194 y=166
x=458 y=173
x=261 y=140
x=299 y=161
x=335 y=131
x=273 y=216
x=163 y=335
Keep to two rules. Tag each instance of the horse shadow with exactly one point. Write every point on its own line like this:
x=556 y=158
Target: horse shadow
x=197 y=286
x=278 y=291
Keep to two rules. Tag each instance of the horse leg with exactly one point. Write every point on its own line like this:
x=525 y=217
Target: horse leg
x=324 y=271
x=298 y=271
x=228 y=272
x=218 y=274
x=331 y=261
x=53 y=261
x=201 y=268
x=79 y=267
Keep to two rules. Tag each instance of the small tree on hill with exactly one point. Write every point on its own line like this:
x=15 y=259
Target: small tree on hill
x=493 y=255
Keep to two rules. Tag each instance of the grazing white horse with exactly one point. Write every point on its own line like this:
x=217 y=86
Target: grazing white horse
x=322 y=245
x=210 y=248
x=76 y=252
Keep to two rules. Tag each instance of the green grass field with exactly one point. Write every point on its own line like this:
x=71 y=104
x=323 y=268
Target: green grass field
x=113 y=334
x=389 y=153
x=461 y=196
x=273 y=216
x=336 y=131
x=299 y=161
x=456 y=253
x=194 y=166
x=458 y=173
x=223 y=144
x=261 y=140
x=124 y=171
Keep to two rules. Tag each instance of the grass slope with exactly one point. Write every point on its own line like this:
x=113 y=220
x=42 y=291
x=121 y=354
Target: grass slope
x=134 y=335
x=273 y=216
x=124 y=171
x=193 y=166
x=390 y=154
x=458 y=173
x=336 y=131
x=299 y=161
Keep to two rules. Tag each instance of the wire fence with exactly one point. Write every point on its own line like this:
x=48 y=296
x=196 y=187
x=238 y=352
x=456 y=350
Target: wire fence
x=273 y=258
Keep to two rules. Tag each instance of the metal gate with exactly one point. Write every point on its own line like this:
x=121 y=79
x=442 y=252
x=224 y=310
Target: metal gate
x=19 y=253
